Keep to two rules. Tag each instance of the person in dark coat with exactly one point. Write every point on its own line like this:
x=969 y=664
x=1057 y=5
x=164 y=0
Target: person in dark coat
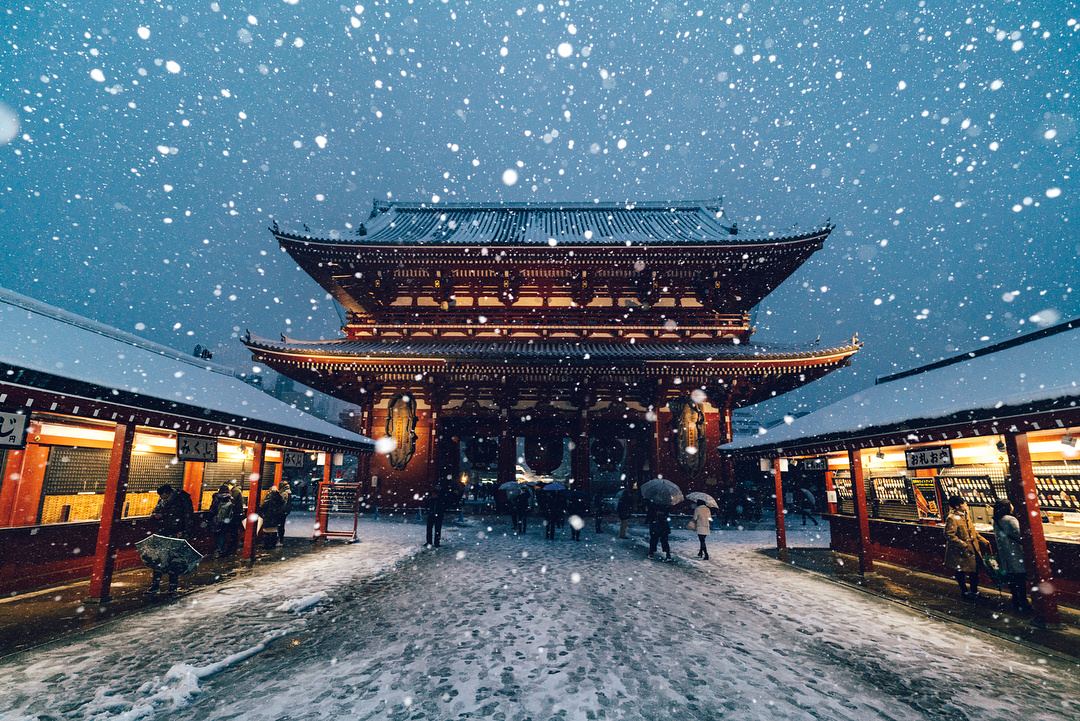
x=577 y=505
x=521 y=510
x=554 y=509
x=659 y=530
x=272 y=512
x=222 y=510
x=625 y=509
x=598 y=511
x=238 y=516
x=436 y=506
x=176 y=517
x=1010 y=554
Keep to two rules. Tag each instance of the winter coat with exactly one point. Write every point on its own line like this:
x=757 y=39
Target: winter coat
x=272 y=510
x=702 y=516
x=657 y=519
x=1010 y=552
x=577 y=504
x=963 y=544
x=286 y=494
x=437 y=503
x=239 y=507
x=626 y=505
x=222 y=511
x=176 y=516
x=520 y=503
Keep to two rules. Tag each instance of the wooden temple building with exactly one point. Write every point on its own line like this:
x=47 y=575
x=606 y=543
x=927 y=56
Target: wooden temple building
x=625 y=328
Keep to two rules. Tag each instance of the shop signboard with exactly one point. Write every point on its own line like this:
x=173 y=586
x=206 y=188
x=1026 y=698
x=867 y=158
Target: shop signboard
x=196 y=448
x=13 y=429
x=293 y=459
x=815 y=464
x=933 y=457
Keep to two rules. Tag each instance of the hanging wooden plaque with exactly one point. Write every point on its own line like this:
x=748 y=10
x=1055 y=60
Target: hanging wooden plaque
x=401 y=426
x=688 y=434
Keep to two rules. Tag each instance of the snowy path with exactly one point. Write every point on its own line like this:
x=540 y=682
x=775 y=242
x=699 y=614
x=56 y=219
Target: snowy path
x=501 y=627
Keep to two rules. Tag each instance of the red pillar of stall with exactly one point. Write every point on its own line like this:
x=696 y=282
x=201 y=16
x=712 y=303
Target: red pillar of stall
x=858 y=489
x=781 y=527
x=507 y=467
x=111 y=512
x=250 y=527
x=1036 y=558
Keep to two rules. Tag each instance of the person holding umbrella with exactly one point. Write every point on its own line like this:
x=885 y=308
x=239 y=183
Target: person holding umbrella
x=659 y=529
x=175 y=516
x=521 y=510
x=625 y=508
x=577 y=505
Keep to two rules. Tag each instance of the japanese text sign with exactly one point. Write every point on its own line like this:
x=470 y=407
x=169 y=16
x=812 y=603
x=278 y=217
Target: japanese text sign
x=12 y=430
x=196 y=448
x=935 y=457
x=293 y=459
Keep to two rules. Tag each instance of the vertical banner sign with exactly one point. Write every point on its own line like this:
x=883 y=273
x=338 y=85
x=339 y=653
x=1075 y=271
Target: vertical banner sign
x=293 y=459
x=196 y=448
x=933 y=457
x=12 y=430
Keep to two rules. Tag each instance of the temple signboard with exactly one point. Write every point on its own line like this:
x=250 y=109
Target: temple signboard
x=196 y=448
x=12 y=430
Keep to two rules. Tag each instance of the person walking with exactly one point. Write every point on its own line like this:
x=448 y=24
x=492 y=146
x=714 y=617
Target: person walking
x=659 y=530
x=702 y=517
x=273 y=514
x=436 y=506
x=963 y=547
x=1010 y=554
x=521 y=511
x=221 y=518
x=625 y=508
x=598 y=511
x=577 y=505
x=807 y=505
x=175 y=517
x=553 y=508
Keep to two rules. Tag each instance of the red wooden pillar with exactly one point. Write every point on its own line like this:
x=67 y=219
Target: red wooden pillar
x=250 y=530
x=781 y=527
x=658 y=434
x=193 y=482
x=830 y=492
x=111 y=510
x=507 y=455
x=322 y=513
x=858 y=490
x=579 y=460
x=1036 y=559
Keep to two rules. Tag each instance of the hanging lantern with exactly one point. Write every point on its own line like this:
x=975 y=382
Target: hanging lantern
x=543 y=454
x=607 y=453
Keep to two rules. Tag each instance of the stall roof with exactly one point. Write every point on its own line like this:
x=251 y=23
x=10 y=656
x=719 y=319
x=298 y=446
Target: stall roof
x=66 y=351
x=1040 y=371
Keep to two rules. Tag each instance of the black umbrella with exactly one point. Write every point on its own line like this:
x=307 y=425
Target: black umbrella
x=168 y=555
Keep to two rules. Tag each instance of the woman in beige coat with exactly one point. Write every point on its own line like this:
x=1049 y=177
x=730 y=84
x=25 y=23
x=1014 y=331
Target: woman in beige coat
x=702 y=516
x=963 y=547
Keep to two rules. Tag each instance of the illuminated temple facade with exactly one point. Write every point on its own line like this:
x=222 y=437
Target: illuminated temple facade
x=624 y=328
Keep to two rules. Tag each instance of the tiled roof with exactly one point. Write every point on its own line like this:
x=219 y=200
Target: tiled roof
x=542 y=224
x=551 y=351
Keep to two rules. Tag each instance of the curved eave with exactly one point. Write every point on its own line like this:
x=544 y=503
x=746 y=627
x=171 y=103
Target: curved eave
x=297 y=353
x=311 y=242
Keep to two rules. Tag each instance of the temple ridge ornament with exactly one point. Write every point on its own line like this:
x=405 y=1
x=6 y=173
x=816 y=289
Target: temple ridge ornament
x=401 y=426
x=688 y=435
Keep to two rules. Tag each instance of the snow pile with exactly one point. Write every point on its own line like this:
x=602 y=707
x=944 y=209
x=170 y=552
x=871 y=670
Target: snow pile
x=299 y=605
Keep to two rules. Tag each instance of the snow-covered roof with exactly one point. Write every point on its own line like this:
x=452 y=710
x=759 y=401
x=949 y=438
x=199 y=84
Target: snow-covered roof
x=1042 y=370
x=41 y=338
x=542 y=224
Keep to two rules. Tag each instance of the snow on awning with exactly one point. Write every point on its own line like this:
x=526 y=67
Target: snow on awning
x=1020 y=374
x=47 y=340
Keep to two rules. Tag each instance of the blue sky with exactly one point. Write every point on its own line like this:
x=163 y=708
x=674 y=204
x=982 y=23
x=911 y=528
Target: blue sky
x=146 y=147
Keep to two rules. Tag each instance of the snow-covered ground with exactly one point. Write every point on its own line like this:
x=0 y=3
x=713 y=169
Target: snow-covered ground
x=497 y=626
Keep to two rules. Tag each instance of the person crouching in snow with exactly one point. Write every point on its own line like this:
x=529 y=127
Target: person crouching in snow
x=702 y=516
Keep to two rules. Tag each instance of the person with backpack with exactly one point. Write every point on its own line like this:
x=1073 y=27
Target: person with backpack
x=222 y=509
x=175 y=517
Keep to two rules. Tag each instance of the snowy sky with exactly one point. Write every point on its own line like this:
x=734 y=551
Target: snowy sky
x=145 y=148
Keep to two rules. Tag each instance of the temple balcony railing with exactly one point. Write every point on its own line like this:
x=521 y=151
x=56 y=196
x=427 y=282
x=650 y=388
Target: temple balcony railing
x=562 y=331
